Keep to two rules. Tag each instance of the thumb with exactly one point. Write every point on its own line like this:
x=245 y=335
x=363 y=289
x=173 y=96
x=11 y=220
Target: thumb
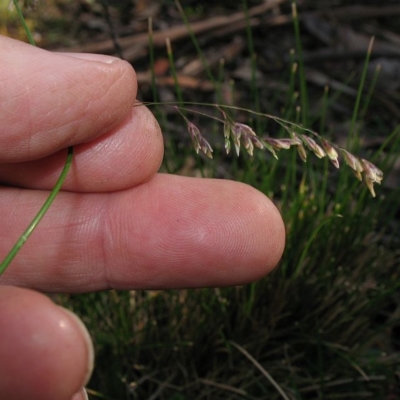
x=45 y=351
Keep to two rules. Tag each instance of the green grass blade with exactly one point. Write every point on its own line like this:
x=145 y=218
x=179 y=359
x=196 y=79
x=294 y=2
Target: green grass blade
x=173 y=72
x=152 y=62
x=195 y=42
x=24 y=237
x=353 y=137
x=253 y=57
x=314 y=235
x=23 y=22
x=371 y=90
x=302 y=74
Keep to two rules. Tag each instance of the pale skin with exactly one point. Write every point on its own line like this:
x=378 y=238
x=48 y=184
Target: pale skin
x=116 y=224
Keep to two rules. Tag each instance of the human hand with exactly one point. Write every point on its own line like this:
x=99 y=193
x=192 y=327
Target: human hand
x=116 y=224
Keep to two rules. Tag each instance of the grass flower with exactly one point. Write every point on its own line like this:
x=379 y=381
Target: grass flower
x=372 y=175
x=240 y=133
x=353 y=162
x=313 y=146
x=198 y=140
x=243 y=135
x=300 y=148
x=330 y=152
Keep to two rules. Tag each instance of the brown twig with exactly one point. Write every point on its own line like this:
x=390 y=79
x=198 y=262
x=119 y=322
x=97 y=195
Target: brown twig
x=176 y=32
x=181 y=32
x=184 y=81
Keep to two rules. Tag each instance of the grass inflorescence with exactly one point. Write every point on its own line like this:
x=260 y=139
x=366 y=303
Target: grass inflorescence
x=299 y=137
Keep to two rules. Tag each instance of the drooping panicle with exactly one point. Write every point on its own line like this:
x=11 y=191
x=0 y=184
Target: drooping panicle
x=243 y=135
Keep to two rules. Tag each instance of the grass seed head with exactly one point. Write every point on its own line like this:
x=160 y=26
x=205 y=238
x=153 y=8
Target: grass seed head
x=242 y=134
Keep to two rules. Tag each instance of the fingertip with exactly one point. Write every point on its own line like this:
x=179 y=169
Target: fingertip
x=81 y=395
x=84 y=334
x=254 y=237
x=270 y=227
x=106 y=59
x=109 y=92
x=193 y=233
x=44 y=354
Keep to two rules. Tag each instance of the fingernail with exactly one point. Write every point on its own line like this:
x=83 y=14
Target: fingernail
x=92 y=57
x=88 y=341
x=82 y=395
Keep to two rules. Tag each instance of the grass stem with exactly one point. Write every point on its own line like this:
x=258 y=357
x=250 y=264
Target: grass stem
x=24 y=24
x=302 y=74
x=353 y=135
x=261 y=369
x=24 y=237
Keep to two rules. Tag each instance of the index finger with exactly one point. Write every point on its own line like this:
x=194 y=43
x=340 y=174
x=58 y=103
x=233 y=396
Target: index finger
x=169 y=232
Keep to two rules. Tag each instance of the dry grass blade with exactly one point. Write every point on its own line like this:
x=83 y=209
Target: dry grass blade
x=223 y=387
x=261 y=369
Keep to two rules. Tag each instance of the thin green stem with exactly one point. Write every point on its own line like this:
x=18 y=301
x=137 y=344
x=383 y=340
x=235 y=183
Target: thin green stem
x=324 y=110
x=253 y=57
x=304 y=253
x=173 y=71
x=195 y=42
x=302 y=74
x=291 y=93
x=352 y=139
x=151 y=55
x=23 y=22
x=370 y=92
x=24 y=237
x=322 y=127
